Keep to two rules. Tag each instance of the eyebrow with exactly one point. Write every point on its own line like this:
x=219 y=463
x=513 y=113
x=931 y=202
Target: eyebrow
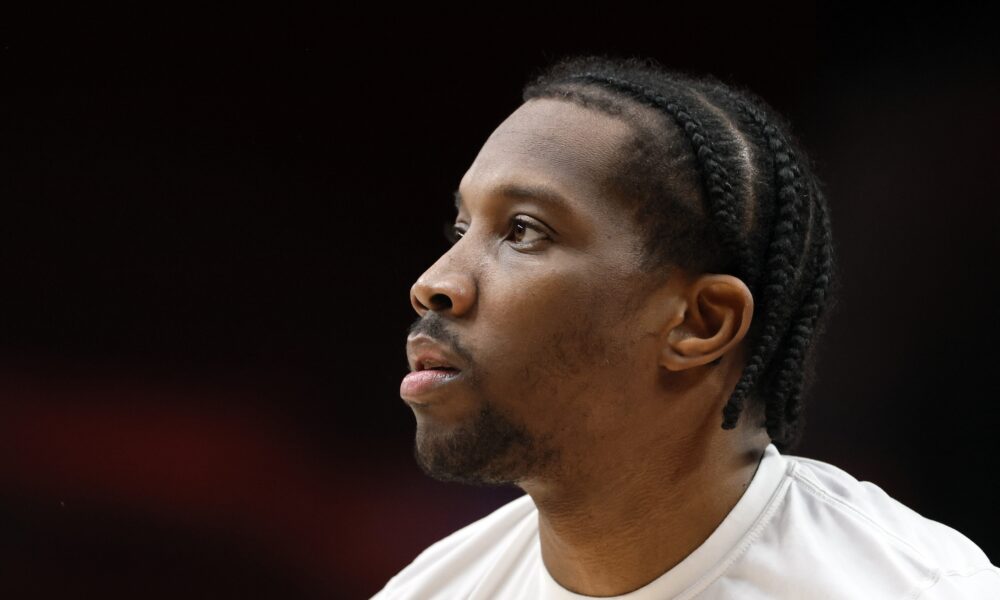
x=522 y=191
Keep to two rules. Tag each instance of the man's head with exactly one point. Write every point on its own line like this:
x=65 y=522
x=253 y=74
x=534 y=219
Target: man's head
x=636 y=252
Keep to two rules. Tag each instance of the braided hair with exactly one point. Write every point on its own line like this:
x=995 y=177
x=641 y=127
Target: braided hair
x=716 y=183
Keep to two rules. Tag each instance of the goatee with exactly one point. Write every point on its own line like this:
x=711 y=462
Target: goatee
x=490 y=450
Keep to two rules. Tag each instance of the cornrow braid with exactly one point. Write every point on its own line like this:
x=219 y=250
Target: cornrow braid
x=808 y=317
x=728 y=191
x=784 y=403
x=780 y=269
x=715 y=177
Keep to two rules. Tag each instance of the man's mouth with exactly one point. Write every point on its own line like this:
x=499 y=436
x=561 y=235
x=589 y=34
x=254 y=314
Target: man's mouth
x=433 y=359
x=434 y=364
x=426 y=354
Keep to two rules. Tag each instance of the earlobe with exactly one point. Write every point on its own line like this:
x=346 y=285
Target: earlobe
x=713 y=318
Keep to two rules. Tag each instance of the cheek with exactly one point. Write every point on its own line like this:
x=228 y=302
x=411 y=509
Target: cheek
x=550 y=340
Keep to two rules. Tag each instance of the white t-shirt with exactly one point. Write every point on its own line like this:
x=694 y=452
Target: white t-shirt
x=802 y=529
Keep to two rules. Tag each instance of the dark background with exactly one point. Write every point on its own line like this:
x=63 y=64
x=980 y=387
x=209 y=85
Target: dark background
x=210 y=228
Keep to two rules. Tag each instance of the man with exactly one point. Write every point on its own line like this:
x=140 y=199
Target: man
x=623 y=328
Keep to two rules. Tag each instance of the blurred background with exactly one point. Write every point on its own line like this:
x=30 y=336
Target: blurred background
x=211 y=225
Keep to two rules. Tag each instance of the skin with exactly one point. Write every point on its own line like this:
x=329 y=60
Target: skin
x=586 y=381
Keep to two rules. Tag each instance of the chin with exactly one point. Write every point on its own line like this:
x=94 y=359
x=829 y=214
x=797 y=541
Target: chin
x=444 y=468
x=488 y=450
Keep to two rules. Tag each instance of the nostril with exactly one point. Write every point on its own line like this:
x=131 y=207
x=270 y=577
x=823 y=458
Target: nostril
x=454 y=295
x=441 y=301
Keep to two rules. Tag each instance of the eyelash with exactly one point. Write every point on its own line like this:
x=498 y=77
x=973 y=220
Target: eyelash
x=451 y=231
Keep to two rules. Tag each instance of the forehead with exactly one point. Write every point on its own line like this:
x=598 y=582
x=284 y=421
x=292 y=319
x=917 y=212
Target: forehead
x=551 y=143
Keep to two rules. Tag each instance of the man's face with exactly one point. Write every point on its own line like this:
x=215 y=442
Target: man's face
x=538 y=301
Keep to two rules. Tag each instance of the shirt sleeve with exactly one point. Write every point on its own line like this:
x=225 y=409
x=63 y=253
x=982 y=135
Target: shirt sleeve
x=978 y=584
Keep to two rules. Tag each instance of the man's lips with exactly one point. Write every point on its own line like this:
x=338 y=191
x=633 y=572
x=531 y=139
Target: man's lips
x=425 y=353
x=419 y=383
x=432 y=365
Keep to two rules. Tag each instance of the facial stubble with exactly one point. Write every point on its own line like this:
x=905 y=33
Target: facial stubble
x=488 y=450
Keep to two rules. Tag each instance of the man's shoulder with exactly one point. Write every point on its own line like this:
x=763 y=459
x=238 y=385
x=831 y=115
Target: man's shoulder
x=875 y=511
x=460 y=559
x=839 y=525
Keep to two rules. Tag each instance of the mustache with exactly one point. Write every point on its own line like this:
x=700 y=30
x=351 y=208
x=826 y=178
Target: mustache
x=433 y=326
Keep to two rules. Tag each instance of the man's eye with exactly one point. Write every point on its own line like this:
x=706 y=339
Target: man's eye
x=521 y=226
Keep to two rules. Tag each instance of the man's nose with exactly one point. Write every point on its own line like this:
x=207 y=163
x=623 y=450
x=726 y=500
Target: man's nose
x=440 y=291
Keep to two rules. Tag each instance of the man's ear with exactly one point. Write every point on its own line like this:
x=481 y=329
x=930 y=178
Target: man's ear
x=710 y=318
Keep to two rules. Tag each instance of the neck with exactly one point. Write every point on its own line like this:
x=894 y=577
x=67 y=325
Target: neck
x=612 y=531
